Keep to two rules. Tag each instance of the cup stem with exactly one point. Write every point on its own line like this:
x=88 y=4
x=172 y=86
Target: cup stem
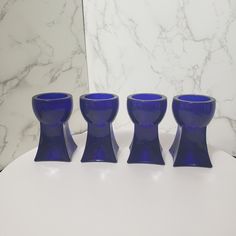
x=54 y=144
x=145 y=147
x=190 y=147
x=100 y=144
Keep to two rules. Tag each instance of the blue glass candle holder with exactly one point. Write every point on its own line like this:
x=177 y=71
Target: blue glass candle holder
x=146 y=111
x=53 y=111
x=99 y=110
x=192 y=113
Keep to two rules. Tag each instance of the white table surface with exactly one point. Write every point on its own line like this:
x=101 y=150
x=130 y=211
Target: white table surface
x=104 y=199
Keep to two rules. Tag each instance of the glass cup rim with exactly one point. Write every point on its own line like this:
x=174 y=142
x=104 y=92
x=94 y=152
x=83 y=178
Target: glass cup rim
x=62 y=96
x=205 y=98
x=159 y=97
x=95 y=97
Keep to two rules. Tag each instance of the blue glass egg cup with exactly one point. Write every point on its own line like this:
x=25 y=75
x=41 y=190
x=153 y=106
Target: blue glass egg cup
x=53 y=111
x=192 y=113
x=99 y=110
x=146 y=112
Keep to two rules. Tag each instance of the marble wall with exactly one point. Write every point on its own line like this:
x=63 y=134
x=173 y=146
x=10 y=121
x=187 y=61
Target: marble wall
x=41 y=49
x=169 y=47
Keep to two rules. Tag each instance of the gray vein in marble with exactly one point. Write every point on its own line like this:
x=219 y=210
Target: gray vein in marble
x=5 y=8
x=23 y=134
x=4 y=142
x=14 y=82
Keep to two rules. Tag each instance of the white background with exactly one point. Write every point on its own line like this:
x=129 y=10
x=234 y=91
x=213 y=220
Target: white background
x=169 y=47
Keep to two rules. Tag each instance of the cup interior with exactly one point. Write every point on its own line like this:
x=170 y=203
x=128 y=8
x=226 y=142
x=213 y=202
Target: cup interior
x=99 y=96
x=146 y=96
x=51 y=96
x=194 y=98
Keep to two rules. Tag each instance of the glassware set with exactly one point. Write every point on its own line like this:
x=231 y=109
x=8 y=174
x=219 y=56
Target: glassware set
x=146 y=110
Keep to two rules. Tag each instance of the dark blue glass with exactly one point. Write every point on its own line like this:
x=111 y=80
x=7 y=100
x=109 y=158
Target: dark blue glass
x=192 y=113
x=146 y=112
x=99 y=110
x=53 y=111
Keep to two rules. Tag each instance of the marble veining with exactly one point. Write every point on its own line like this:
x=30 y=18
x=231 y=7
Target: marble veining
x=42 y=49
x=169 y=47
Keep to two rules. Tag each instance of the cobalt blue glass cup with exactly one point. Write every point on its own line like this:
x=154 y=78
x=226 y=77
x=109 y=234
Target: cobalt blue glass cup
x=192 y=113
x=53 y=111
x=99 y=110
x=146 y=111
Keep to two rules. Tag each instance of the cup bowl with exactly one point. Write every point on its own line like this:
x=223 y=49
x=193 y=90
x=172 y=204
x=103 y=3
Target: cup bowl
x=99 y=108
x=193 y=110
x=146 y=108
x=52 y=108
